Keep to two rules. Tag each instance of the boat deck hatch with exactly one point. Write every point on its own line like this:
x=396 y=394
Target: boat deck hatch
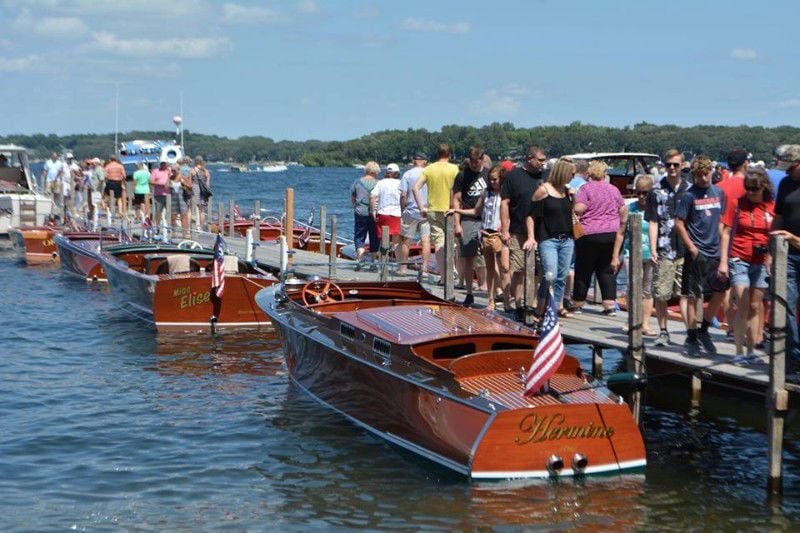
x=412 y=324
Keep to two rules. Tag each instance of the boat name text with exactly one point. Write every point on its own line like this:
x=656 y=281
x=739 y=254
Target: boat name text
x=190 y=298
x=553 y=427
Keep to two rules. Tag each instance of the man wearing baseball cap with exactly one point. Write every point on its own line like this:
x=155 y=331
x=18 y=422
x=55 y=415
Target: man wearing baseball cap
x=411 y=221
x=787 y=224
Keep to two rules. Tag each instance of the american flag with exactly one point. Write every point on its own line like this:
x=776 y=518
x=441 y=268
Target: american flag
x=237 y=214
x=302 y=240
x=218 y=272
x=549 y=352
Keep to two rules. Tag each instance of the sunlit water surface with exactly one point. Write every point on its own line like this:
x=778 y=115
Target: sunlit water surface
x=106 y=425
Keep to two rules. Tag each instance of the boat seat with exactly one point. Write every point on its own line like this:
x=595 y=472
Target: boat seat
x=178 y=264
x=230 y=264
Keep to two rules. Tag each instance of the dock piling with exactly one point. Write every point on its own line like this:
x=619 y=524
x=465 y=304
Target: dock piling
x=231 y=225
x=257 y=220
x=332 y=250
x=777 y=397
x=323 y=219
x=289 y=222
x=221 y=218
x=634 y=301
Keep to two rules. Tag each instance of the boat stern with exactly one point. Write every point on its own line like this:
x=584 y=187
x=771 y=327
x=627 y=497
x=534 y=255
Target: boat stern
x=559 y=440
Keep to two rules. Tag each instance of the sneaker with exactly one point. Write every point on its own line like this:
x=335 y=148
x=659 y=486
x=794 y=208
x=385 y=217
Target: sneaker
x=373 y=267
x=468 y=300
x=705 y=340
x=662 y=339
x=692 y=348
x=609 y=312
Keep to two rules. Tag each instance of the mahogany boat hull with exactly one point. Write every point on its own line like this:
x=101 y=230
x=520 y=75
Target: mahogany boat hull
x=36 y=244
x=184 y=302
x=80 y=255
x=469 y=433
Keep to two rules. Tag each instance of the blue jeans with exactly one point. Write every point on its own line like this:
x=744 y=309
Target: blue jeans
x=556 y=256
x=792 y=339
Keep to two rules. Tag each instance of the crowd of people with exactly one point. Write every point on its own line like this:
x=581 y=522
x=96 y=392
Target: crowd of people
x=705 y=234
x=92 y=184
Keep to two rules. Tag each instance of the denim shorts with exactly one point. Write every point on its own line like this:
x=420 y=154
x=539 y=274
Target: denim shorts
x=744 y=274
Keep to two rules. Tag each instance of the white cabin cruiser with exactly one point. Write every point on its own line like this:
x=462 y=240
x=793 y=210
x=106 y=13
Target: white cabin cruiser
x=21 y=203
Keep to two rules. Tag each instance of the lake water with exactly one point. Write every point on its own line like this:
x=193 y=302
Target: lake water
x=106 y=425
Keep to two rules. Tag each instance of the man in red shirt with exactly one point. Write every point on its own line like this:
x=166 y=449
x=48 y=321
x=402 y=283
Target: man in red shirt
x=115 y=182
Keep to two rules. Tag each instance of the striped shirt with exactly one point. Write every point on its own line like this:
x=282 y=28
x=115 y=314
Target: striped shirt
x=491 y=211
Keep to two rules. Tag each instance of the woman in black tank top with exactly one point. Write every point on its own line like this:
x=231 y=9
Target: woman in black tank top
x=550 y=227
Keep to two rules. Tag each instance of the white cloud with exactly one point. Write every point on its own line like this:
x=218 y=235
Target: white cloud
x=239 y=14
x=188 y=48
x=61 y=27
x=308 y=7
x=413 y=24
x=20 y=64
x=791 y=102
x=504 y=101
x=744 y=54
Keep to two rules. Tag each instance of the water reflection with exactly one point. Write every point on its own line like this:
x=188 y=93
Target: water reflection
x=199 y=354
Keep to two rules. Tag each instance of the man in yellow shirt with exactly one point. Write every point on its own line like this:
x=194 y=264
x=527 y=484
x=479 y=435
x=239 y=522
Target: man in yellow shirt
x=439 y=177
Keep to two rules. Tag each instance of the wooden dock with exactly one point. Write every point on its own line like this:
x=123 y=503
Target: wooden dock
x=589 y=327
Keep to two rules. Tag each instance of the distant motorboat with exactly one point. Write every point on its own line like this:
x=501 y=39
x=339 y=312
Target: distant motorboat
x=273 y=167
x=239 y=168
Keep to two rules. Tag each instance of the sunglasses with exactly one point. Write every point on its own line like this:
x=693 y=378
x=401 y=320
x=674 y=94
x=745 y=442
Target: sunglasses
x=642 y=193
x=672 y=165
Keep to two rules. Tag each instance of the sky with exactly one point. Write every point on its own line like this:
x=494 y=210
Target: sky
x=336 y=70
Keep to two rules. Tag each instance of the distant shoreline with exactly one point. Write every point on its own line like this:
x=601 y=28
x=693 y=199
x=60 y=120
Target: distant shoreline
x=499 y=140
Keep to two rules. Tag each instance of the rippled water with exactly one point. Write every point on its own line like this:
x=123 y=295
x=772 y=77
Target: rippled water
x=106 y=425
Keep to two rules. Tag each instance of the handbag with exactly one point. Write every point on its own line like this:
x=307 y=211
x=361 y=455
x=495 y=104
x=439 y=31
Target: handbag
x=205 y=192
x=577 y=228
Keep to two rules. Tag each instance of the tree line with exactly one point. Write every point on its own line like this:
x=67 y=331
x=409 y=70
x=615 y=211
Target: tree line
x=498 y=139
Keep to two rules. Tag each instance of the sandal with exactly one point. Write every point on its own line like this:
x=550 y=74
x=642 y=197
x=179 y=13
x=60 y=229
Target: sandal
x=564 y=313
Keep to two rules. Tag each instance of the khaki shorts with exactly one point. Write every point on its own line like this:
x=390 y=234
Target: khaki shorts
x=409 y=226
x=515 y=252
x=667 y=279
x=436 y=220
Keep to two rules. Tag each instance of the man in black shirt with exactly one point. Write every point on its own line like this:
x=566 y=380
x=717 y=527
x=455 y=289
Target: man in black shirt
x=787 y=224
x=516 y=195
x=467 y=188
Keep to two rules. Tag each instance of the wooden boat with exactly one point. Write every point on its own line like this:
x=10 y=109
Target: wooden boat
x=170 y=286
x=35 y=244
x=446 y=382
x=271 y=229
x=80 y=253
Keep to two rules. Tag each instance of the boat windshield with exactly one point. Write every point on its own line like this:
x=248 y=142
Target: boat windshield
x=12 y=171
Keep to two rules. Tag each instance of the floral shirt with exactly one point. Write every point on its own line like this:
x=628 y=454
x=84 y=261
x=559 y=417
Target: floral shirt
x=661 y=205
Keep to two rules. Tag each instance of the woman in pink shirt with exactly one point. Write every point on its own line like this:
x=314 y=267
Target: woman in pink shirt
x=160 y=180
x=600 y=210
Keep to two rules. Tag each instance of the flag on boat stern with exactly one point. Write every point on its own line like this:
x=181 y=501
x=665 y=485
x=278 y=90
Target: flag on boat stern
x=302 y=240
x=218 y=271
x=549 y=352
x=237 y=214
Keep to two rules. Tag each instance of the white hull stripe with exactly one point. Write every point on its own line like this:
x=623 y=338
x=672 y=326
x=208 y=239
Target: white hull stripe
x=599 y=469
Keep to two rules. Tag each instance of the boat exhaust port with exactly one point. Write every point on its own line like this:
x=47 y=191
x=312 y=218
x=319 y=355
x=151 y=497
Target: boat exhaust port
x=579 y=462
x=555 y=464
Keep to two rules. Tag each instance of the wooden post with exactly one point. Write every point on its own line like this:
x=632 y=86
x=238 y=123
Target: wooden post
x=778 y=398
x=332 y=251
x=221 y=219
x=323 y=218
x=289 y=222
x=167 y=213
x=231 y=225
x=634 y=301
x=257 y=220
x=528 y=286
x=449 y=258
x=597 y=361
x=384 y=253
x=697 y=385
